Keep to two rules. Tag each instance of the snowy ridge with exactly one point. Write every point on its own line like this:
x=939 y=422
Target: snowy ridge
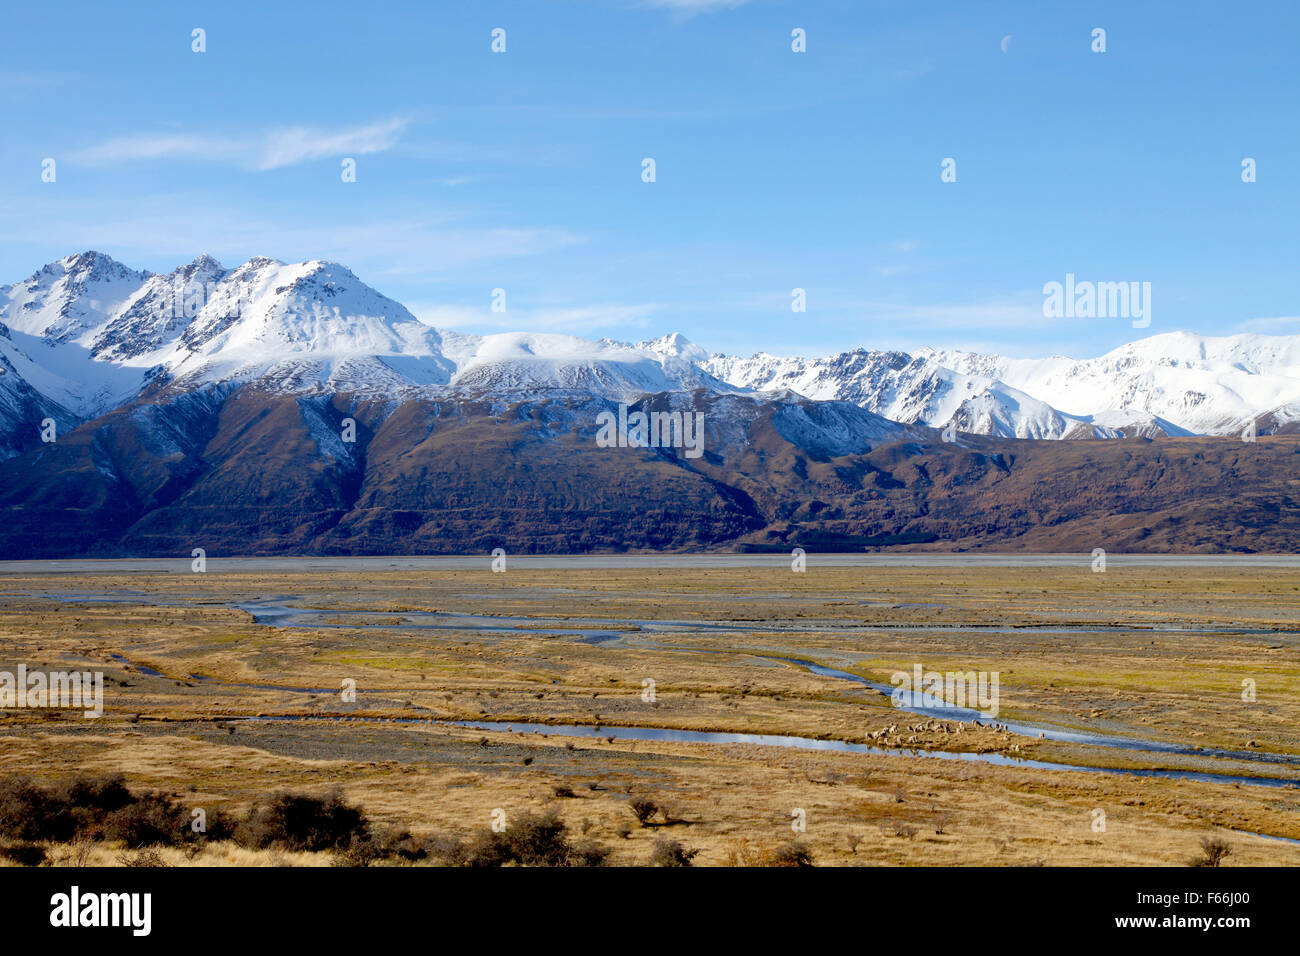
x=1205 y=385
x=87 y=334
x=1177 y=383
x=917 y=390
x=66 y=300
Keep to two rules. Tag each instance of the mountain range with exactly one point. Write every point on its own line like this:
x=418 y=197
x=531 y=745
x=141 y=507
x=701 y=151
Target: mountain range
x=290 y=408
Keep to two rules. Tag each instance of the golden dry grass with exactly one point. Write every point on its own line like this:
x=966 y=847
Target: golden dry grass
x=173 y=733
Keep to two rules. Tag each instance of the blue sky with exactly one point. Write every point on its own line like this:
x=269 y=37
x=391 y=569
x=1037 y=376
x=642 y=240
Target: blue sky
x=775 y=170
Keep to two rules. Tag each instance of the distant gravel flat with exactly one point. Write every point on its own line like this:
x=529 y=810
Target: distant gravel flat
x=596 y=561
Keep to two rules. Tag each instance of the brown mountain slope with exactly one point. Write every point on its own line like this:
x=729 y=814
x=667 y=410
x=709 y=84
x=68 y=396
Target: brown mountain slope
x=259 y=473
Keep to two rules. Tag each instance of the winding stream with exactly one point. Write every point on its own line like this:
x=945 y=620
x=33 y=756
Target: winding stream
x=278 y=615
x=599 y=631
x=662 y=734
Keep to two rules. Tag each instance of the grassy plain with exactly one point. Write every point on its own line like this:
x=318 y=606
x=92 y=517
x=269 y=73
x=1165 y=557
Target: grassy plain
x=1092 y=652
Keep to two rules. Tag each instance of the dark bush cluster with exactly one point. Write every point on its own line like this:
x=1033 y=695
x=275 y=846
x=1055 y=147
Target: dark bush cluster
x=31 y=812
x=91 y=809
x=23 y=853
x=291 y=821
x=105 y=809
x=529 y=840
x=97 y=808
x=156 y=819
x=376 y=845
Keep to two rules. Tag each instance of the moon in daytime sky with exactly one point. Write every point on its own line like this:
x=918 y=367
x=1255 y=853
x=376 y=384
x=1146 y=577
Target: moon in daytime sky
x=1006 y=42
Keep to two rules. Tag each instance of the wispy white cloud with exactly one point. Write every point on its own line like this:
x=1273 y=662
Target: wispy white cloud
x=571 y=319
x=273 y=150
x=1277 y=324
x=164 y=230
x=1016 y=311
x=288 y=147
x=994 y=314
x=692 y=7
x=135 y=148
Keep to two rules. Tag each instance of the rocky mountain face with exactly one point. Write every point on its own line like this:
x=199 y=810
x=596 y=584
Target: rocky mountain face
x=1172 y=384
x=258 y=472
x=291 y=409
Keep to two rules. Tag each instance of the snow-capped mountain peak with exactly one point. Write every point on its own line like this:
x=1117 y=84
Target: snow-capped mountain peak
x=87 y=333
x=676 y=346
x=71 y=298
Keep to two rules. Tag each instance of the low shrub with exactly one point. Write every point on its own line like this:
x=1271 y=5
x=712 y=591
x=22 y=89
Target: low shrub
x=794 y=853
x=1213 y=852
x=147 y=857
x=151 y=819
x=643 y=808
x=31 y=812
x=668 y=852
x=23 y=853
x=588 y=853
x=291 y=821
x=531 y=839
x=99 y=808
x=537 y=839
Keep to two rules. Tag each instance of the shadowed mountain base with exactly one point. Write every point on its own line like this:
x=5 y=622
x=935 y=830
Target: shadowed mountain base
x=256 y=473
